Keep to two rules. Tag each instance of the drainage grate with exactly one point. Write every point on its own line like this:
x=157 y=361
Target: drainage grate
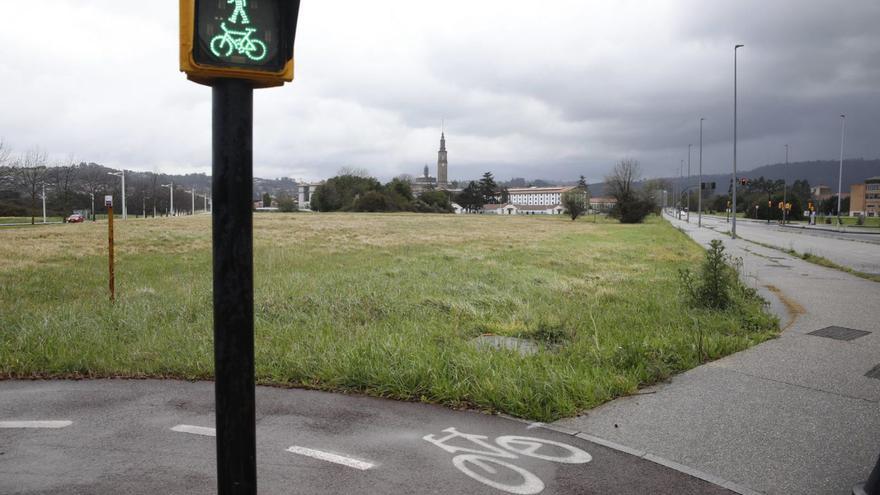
x=839 y=333
x=874 y=373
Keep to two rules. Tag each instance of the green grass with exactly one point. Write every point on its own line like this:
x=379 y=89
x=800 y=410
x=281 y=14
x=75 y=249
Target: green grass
x=377 y=303
x=27 y=220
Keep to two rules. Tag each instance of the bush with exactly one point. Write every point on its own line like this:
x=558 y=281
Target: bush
x=632 y=210
x=712 y=289
x=371 y=201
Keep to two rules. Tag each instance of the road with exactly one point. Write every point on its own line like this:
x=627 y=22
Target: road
x=860 y=252
x=153 y=436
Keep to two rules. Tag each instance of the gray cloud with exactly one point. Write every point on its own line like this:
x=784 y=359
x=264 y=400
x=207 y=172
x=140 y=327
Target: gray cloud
x=555 y=89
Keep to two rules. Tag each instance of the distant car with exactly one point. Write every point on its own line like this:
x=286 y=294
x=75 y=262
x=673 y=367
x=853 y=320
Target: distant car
x=76 y=218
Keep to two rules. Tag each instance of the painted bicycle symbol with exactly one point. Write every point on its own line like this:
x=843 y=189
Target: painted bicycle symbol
x=240 y=42
x=482 y=463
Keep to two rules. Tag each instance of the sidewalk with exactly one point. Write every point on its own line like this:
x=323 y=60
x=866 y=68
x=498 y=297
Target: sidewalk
x=793 y=415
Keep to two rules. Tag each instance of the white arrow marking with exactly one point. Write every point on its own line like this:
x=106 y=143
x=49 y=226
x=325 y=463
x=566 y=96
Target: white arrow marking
x=195 y=430
x=35 y=424
x=326 y=456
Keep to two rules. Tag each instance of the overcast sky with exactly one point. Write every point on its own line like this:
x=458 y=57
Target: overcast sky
x=551 y=89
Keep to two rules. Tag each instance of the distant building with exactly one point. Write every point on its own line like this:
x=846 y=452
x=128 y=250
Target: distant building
x=500 y=209
x=864 y=199
x=442 y=163
x=537 y=196
x=305 y=194
x=604 y=204
x=821 y=192
x=540 y=210
x=424 y=183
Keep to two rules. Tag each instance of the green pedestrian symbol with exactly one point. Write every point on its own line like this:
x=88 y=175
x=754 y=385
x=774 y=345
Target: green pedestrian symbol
x=238 y=42
x=239 y=11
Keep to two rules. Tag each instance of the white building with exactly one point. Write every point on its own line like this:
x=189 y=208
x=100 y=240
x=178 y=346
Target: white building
x=537 y=196
x=539 y=210
x=305 y=194
x=502 y=209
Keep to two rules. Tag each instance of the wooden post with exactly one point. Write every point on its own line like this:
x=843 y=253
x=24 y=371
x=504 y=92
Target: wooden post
x=110 y=239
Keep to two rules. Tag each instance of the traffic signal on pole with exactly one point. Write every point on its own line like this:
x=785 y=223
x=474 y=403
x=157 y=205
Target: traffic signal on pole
x=243 y=39
x=769 y=204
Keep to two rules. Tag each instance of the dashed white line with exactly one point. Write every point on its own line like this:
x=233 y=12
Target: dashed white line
x=326 y=456
x=195 y=430
x=35 y=424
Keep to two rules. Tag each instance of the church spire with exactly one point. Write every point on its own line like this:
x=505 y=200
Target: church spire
x=442 y=164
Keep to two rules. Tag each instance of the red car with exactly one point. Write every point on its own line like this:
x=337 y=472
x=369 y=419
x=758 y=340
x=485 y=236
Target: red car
x=76 y=218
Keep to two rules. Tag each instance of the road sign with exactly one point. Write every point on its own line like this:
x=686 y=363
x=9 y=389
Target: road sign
x=242 y=39
x=108 y=201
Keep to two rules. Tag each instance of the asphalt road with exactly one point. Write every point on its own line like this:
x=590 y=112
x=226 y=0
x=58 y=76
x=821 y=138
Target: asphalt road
x=857 y=251
x=152 y=436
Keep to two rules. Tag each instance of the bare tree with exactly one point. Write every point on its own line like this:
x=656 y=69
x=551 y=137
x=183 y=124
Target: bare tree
x=63 y=177
x=4 y=153
x=30 y=171
x=93 y=179
x=631 y=206
x=620 y=182
x=354 y=171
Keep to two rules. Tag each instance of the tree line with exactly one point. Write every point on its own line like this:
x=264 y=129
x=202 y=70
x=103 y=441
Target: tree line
x=70 y=185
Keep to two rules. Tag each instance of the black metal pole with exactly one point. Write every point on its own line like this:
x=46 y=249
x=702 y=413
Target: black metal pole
x=872 y=486
x=233 y=287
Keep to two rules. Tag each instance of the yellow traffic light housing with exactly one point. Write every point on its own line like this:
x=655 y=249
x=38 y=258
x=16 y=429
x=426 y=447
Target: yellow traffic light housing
x=242 y=39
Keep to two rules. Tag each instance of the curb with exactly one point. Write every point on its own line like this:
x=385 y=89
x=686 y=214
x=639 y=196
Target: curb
x=696 y=473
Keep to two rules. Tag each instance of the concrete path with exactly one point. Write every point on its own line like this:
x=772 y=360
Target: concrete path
x=793 y=415
x=156 y=437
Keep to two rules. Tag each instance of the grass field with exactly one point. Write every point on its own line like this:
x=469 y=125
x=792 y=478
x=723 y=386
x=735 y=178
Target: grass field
x=384 y=304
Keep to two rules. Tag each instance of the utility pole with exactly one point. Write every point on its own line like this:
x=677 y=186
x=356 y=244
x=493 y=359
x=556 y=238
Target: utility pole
x=687 y=189
x=171 y=190
x=93 y=206
x=785 y=189
x=680 y=188
x=840 y=171
x=193 y=193
x=44 y=203
x=733 y=223
x=700 y=200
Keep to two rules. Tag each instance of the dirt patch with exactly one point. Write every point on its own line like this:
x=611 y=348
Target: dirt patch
x=793 y=307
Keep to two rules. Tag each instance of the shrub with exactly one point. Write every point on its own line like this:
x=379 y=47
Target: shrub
x=712 y=288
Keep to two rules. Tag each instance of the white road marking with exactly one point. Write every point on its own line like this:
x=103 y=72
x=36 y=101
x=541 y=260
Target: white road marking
x=195 y=430
x=35 y=424
x=534 y=425
x=326 y=456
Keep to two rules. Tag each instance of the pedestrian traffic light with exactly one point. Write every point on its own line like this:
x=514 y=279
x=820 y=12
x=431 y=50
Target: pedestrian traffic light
x=769 y=203
x=244 y=39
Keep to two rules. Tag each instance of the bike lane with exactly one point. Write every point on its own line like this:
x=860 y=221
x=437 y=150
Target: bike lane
x=144 y=436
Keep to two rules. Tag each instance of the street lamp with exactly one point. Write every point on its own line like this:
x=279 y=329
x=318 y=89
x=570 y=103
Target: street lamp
x=124 y=209
x=733 y=223
x=193 y=193
x=171 y=190
x=785 y=189
x=93 y=205
x=840 y=171
x=687 y=188
x=680 y=189
x=700 y=197
x=44 y=203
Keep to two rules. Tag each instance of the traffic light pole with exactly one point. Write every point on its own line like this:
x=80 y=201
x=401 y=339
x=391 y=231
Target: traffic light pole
x=232 y=223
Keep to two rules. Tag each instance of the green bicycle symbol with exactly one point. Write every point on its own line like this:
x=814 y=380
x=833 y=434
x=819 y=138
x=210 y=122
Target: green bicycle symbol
x=224 y=44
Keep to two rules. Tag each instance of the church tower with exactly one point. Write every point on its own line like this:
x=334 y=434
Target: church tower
x=442 y=164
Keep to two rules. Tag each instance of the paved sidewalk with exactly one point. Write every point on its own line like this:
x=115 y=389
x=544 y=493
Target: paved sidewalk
x=793 y=415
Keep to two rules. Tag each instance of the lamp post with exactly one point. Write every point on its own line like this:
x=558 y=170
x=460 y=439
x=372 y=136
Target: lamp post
x=700 y=197
x=785 y=189
x=733 y=223
x=840 y=171
x=44 y=203
x=687 y=187
x=171 y=190
x=93 y=205
x=680 y=189
x=124 y=209
x=193 y=193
